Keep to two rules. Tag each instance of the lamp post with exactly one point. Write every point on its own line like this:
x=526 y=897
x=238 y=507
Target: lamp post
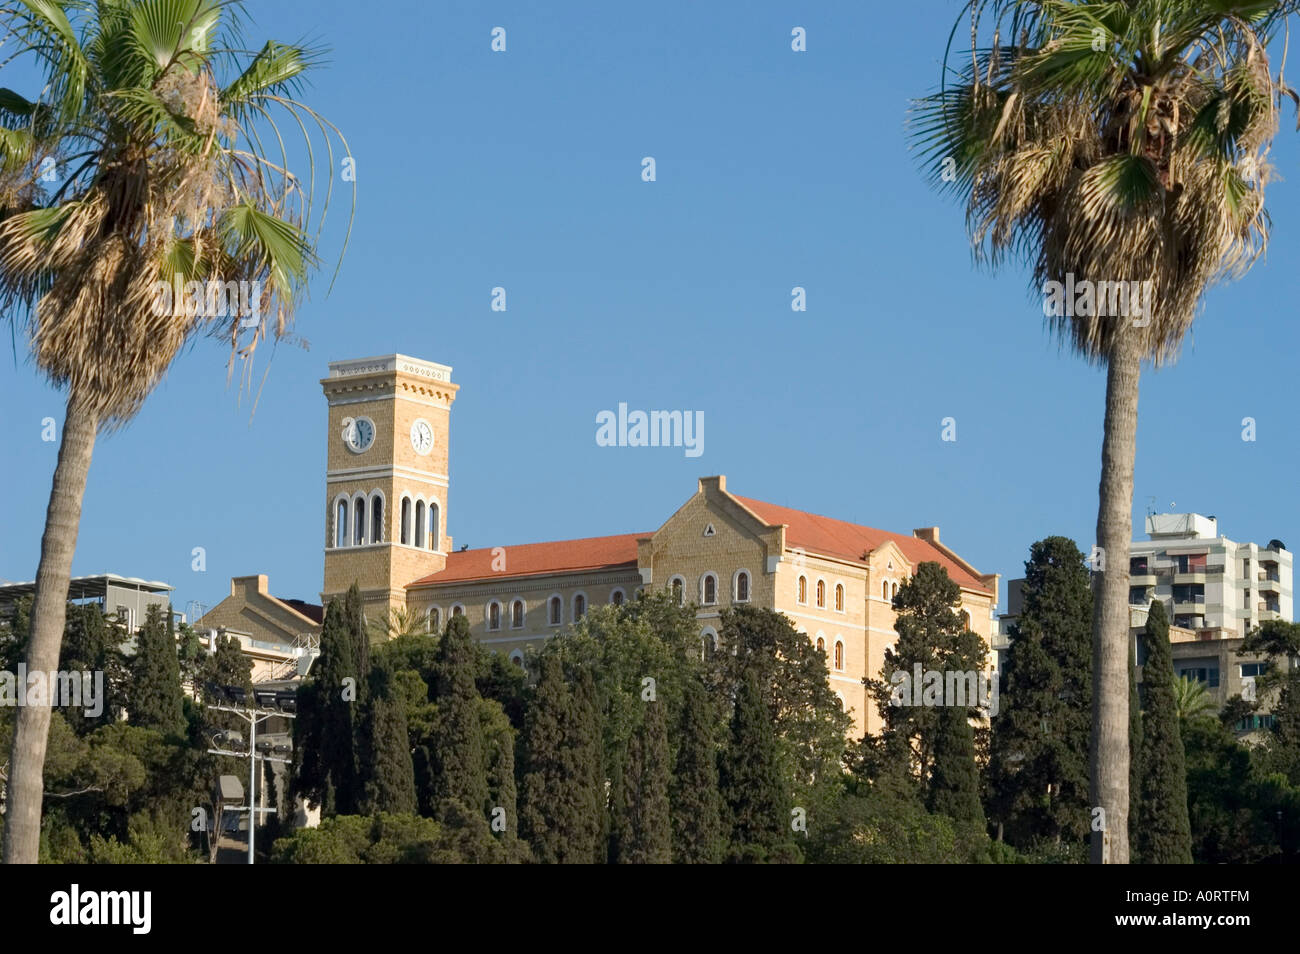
x=253 y=716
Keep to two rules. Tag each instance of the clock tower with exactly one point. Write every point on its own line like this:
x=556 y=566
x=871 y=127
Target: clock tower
x=386 y=476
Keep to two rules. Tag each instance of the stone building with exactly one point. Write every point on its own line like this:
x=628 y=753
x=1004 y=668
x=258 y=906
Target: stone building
x=386 y=528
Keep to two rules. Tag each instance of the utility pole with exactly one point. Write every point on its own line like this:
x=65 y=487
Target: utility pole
x=253 y=717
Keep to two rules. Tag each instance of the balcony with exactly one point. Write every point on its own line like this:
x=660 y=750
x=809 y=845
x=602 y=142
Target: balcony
x=1192 y=575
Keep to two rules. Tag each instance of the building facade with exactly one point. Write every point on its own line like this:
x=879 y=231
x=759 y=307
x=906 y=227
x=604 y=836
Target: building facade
x=1207 y=581
x=386 y=528
x=1215 y=592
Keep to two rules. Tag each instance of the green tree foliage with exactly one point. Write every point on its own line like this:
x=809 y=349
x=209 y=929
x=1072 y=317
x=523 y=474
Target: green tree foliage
x=458 y=760
x=695 y=803
x=933 y=635
x=1163 y=834
x=550 y=807
x=387 y=839
x=1224 y=807
x=806 y=716
x=1038 y=771
x=954 y=788
x=584 y=747
x=1279 y=690
x=358 y=633
x=325 y=732
x=1134 y=734
x=754 y=784
x=873 y=827
x=388 y=777
x=499 y=738
x=155 y=698
x=649 y=829
x=645 y=649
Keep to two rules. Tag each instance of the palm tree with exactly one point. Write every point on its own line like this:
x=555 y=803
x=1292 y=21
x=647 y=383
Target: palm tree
x=399 y=621
x=1121 y=141
x=1191 y=701
x=147 y=160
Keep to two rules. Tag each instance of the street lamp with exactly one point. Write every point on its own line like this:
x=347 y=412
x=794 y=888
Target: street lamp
x=254 y=716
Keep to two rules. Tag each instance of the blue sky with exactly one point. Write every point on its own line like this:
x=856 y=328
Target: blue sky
x=774 y=169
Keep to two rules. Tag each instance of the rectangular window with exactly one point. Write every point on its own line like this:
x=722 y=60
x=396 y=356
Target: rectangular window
x=1206 y=674
x=1253 y=669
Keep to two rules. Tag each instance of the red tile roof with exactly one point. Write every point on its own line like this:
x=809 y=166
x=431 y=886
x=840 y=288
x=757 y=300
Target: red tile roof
x=813 y=533
x=837 y=538
x=532 y=559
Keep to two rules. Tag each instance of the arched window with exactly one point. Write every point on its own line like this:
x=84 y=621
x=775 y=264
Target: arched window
x=742 y=587
x=341 y=524
x=839 y=597
x=710 y=589
x=965 y=620
x=821 y=593
x=884 y=589
x=494 y=615
x=376 y=519
x=418 y=540
x=709 y=643
x=679 y=590
x=435 y=619
x=517 y=657
x=893 y=590
x=616 y=598
x=579 y=607
x=434 y=512
x=803 y=590
x=406 y=521
x=458 y=610
x=359 y=522
x=517 y=614
x=821 y=645
x=556 y=609
x=839 y=655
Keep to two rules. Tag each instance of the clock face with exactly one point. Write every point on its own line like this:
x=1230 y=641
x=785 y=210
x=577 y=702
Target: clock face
x=358 y=434
x=421 y=437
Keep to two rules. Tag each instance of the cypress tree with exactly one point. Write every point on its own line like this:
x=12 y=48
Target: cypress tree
x=931 y=633
x=954 y=781
x=457 y=751
x=386 y=753
x=584 y=748
x=155 y=699
x=1038 y=768
x=499 y=743
x=1164 y=833
x=358 y=636
x=649 y=830
x=338 y=695
x=546 y=810
x=695 y=804
x=751 y=781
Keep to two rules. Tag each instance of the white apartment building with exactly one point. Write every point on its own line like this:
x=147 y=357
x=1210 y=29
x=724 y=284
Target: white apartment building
x=1206 y=580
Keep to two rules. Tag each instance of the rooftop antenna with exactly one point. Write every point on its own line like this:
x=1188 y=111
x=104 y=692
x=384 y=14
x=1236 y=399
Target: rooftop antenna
x=1151 y=506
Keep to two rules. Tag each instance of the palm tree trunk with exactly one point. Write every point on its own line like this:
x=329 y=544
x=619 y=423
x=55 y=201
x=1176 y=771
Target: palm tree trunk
x=1110 y=616
x=49 y=612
